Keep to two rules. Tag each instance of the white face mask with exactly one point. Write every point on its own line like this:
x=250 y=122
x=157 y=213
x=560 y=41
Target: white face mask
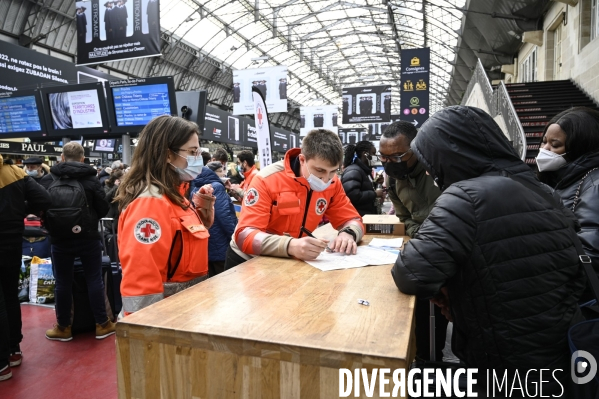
x=193 y=169
x=316 y=184
x=548 y=161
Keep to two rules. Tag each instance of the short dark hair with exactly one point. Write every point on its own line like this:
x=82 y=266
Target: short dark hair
x=324 y=144
x=221 y=155
x=246 y=155
x=206 y=157
x=400 y=127
x=581 y=125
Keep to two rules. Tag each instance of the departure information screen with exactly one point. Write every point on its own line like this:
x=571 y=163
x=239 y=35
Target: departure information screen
x=137 y=105
x=19 y=114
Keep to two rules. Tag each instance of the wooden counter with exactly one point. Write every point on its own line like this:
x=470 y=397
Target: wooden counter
x=269 y=328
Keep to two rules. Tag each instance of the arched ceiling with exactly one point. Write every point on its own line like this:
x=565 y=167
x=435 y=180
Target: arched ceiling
x=327 y=44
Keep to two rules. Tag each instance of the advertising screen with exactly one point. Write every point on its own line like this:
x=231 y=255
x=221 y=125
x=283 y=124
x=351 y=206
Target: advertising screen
x=75 y=110
x=104 y=145
x=20 y=115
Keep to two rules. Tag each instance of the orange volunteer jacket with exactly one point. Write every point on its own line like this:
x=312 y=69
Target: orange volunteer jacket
x=248 y=177
x=278 y=203
x=158 y=243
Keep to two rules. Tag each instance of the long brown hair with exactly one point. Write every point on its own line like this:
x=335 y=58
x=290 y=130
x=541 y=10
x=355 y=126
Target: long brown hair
x=150 y=160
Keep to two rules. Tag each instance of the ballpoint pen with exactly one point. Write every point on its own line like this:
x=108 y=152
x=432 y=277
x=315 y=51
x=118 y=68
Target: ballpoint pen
x=309 y=234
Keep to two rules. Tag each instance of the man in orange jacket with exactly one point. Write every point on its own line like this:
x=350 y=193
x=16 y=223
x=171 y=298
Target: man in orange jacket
x=246 y=168
x=286 y=201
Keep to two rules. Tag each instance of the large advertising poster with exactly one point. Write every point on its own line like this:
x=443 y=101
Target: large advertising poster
x=75 y=109
x=415 y=67
x=321 y=117
x=117 y=30
x=283 y=140
x=376 y=130
x=366 y=104
x=22 y=68
x=353 y=135
x=272 y=83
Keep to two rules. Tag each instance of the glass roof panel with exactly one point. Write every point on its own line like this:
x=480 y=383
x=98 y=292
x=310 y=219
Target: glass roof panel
x=325 y=43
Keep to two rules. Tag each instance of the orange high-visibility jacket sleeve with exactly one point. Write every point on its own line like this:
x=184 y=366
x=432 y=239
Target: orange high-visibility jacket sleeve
x=342 y=213
x=250 y=235
x=145 y=237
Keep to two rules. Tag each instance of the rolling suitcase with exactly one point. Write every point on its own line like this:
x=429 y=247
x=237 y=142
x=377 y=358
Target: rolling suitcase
x=113 y=281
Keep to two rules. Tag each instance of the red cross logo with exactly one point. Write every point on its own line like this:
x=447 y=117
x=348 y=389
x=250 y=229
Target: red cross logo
x=148 y=230
x=321 y=206
x=251 y=197
x=260 y=116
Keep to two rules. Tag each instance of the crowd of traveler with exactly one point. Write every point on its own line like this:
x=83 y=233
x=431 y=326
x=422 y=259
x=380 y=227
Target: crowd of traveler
x=493 y=244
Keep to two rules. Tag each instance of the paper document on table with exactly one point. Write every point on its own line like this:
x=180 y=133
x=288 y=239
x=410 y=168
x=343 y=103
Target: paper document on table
x=386 y=242
x=365 y=257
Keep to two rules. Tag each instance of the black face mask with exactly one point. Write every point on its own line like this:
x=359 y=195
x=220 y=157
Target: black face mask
x=396 y=170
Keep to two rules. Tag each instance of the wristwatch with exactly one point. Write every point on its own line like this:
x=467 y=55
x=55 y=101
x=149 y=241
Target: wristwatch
x=349 y=231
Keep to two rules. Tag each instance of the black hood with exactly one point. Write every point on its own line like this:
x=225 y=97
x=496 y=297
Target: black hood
x=460 y=143
x=73 y=169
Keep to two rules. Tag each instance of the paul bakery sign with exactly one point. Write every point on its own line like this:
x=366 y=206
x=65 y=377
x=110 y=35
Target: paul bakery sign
x=7 y=147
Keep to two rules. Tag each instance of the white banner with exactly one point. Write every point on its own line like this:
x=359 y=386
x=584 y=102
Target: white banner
x=272 y=83
x=262 y=129
x=322 y=117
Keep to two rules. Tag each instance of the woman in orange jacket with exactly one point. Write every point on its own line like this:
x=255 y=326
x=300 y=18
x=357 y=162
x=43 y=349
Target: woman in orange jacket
x=162 y=237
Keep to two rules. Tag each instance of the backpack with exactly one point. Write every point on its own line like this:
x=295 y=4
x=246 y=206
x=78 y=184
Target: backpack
x=69 y=215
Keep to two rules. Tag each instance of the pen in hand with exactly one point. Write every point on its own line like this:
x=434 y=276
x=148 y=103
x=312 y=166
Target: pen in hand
x=309 y=234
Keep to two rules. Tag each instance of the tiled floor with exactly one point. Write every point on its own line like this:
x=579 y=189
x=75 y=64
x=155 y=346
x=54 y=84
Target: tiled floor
x=82 y=368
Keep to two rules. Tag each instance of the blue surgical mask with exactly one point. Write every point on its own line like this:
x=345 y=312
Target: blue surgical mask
x=193 y=169
x=316 y=184
x=32 y=173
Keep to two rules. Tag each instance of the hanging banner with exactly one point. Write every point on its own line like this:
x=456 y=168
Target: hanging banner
x=376 y=130
x=271 y=82
x=321 y=117
x=352 y=135
x=117 y=30
x=262 y=128
x=366 y=104
x=415 y=71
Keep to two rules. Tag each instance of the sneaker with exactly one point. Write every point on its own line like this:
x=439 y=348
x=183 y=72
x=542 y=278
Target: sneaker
x=15 y=359
x=59 y=333
x=106 y=329
x=5 y=373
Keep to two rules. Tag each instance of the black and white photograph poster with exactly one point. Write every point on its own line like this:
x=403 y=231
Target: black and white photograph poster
x=366 y=104
x=352 y=135
x=321 y=117
x=271 y=82
x=117 y=30
x=414 y=99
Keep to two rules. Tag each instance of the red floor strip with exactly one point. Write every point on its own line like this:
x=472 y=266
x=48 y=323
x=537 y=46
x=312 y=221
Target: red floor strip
x=82 y=368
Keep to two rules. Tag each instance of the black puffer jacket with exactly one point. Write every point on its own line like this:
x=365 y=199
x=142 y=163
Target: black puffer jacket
x=358 y=187
x=565 y=181
x=96 y=199
x=505 y=253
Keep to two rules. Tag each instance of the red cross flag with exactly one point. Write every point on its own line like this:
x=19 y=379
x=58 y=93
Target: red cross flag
x=262 y=129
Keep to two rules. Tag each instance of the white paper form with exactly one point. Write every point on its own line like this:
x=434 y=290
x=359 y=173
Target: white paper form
x=365 y=257
x=386 y=242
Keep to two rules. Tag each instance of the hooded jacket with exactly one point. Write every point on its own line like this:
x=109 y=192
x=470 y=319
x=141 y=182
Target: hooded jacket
x=358 y=187
x=413 y=198
x=19 y=195
x=505 y=253
x=224 y=215
x=565 y=181
x=96 y=199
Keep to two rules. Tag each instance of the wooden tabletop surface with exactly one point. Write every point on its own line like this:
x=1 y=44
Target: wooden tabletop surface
x=288 y=302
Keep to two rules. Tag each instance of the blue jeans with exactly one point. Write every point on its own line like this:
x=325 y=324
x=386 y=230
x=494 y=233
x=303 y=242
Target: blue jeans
x=63 y=259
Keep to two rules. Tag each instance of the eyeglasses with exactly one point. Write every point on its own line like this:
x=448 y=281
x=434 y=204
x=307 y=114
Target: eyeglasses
x=392 y=158
x=192 y=152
